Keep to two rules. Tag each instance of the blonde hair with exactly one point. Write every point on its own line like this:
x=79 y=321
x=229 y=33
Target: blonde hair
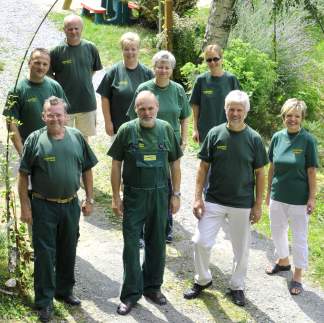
x=128 y=38
x=239 y=97
x=214 y=48
x=291 y=104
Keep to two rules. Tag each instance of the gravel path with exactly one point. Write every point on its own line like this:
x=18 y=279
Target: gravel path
x=99 y=263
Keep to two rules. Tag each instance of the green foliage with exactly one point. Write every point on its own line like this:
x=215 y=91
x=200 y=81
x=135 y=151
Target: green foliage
x=299 y=73
x=187 y=41
x=149 y=11
x=257 y=75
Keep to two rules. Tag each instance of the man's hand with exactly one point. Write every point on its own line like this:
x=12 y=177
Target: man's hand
x=26 y=215
x=310 y=206
x=117 y=206
x=175 y=204
x=86 y=208
x=195 y=136
x=199 y=208
x=255 y=214
x=109 y=128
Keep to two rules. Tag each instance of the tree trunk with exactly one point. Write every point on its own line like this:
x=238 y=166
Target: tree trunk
x=219 y=22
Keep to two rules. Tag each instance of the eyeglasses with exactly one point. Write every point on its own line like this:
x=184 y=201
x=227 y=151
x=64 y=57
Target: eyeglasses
x=214 y=59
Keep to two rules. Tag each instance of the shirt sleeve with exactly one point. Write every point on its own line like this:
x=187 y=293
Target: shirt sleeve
x=28 y=154
x=205 y=151
x=270 y=151
x=261 y=157
x=116 y=151
x=96 y=66
x=184 y=104
x=131 y=114
x=175 y=151
x=196 y=92
x=104 y=88
x=311 y=152
x=89 y=158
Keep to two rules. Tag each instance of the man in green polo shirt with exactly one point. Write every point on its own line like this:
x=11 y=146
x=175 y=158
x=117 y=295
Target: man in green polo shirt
x=55 y=157
x=25 y=105
x=73 y=63
x=149 y=150
x=236 y=157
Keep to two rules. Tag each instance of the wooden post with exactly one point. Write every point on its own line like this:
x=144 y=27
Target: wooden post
x=168 y=6
x=67 y=4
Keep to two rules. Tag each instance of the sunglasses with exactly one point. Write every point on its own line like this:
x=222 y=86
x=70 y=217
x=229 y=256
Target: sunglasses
x=214 y=59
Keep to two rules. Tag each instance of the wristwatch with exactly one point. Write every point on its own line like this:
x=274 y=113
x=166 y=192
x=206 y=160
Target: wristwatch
x=90 y=201
x=177 y=194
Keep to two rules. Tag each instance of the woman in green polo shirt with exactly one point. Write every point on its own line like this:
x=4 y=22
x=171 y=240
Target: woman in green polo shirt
x=120 y=82
x=291 y=190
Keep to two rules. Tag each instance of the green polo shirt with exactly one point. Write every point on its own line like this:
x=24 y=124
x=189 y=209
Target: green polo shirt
x=119 y=85
x=173 y=103
x=55 y=166
x=209 y=94
x=291 y=155
x=72 y=67
x=233 y=157
x=147 y=144
x=28 y=101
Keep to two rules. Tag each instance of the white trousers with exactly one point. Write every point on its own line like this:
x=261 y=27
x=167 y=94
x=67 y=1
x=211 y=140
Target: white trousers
x=204 y=238
x=281 y=216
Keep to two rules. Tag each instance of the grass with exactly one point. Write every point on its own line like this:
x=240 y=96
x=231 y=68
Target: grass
x=106 y=38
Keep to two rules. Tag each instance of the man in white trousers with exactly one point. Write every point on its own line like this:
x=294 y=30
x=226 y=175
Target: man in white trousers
x=236 y=156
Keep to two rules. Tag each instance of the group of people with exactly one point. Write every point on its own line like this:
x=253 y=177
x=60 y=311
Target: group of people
x=146 y=116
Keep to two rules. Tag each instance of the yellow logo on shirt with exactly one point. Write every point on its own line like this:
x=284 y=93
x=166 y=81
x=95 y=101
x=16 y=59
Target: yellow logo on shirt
x=149 y=157
x=68 y=61
x=32 y=99
x=141 y=145
x=50 y=158
x=125 y=82
x=221 y=147
x=208 y=91
x=297 y=151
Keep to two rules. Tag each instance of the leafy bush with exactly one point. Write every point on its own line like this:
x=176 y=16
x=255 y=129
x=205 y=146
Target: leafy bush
x=298 y=73
x=257 y=75
x=149 y=9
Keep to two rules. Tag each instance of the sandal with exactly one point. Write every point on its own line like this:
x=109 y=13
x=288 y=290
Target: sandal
x=277 y=268
x=295 y=288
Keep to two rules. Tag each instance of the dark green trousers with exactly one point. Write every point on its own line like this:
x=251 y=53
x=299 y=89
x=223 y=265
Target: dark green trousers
x=55 y=236
x=143 y=207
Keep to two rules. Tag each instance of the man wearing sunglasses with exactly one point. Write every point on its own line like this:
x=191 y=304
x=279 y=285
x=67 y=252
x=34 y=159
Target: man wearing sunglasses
x=209 y=92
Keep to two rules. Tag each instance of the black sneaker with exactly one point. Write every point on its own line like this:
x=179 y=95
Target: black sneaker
x=238 y=297
x=195 y=290
x=169 y=238
x=45 y=313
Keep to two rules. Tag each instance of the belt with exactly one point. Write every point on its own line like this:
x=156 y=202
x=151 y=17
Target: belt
x=60 y=201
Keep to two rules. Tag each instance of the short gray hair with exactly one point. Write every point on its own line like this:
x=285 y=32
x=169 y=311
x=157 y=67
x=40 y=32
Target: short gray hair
x=291 y=104
x=239 y=97
x=54 y=100
x=164 y=55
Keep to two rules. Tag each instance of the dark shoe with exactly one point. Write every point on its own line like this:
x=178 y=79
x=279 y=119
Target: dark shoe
x=295 y=288
x=277 y=268
x=156 y=297
x=195 y=290
x=238 y=297
x=45 y=313
x=141 y=243
x=124 y=308
x=70 y=300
